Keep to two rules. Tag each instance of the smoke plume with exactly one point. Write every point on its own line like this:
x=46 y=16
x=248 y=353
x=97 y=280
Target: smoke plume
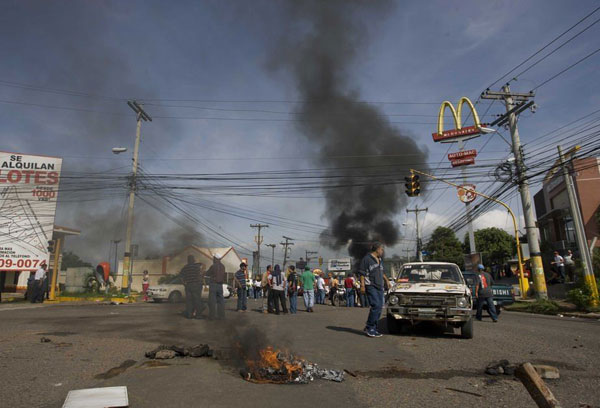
x=324 y=39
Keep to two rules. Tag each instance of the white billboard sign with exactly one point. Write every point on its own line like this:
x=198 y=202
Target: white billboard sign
x=339 y=265
x=28 y=194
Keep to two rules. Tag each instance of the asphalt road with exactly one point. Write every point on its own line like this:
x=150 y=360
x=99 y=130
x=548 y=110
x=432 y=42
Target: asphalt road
x=424 y=368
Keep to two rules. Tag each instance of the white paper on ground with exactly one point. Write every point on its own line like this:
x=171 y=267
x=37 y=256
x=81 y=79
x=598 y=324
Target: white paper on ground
x=106 y=397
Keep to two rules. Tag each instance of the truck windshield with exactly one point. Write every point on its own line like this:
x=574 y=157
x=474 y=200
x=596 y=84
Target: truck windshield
x=430 y=273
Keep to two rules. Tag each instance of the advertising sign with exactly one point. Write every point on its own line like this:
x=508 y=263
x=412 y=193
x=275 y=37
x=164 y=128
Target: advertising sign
x=28 y=194
x=462 y=154
x=339 y=265
x=459 y=131
x=465 y=193
x=462 y=162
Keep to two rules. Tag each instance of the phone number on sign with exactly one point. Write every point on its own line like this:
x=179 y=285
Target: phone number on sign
x=19 y=263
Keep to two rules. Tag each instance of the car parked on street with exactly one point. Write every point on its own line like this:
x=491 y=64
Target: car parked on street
x=429 y=292
x=174 y=291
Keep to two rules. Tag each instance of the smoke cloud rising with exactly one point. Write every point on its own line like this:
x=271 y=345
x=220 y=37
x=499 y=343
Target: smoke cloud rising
x=323 y=40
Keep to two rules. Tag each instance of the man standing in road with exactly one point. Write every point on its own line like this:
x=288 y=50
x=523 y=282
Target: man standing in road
x=216 y=301
x=240 y=283
x=483 y=293
x=372 y=283
x=320 y=290
x=38 y=283
x=307 y=281
x=349 y=286
x=267 y=304
x=191 y=276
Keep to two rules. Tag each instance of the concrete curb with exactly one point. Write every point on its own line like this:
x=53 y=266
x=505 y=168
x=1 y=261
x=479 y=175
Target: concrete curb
x=94 y=299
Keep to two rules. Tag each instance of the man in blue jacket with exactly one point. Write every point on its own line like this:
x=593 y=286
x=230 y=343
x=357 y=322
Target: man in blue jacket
x=372 y=282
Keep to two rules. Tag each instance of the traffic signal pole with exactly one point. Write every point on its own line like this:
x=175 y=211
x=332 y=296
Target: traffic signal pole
x=539 y=279
x=523 y=283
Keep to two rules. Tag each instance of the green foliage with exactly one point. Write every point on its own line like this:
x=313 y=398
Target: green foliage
x=581 y=296
x=445 y=247
x=596 y=262
x=543 y=306
x=166 y=279
x=496 y=244
x=71 y=260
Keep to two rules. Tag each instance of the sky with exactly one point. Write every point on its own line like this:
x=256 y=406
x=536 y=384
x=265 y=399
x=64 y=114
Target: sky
x=210 y=75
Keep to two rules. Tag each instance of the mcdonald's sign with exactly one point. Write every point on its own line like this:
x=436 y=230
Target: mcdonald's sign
x=458 y=131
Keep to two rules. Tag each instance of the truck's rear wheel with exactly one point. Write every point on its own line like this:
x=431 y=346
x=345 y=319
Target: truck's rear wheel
x=466 y=330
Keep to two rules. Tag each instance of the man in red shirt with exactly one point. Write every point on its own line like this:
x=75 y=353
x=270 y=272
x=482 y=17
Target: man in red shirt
x=349 y=286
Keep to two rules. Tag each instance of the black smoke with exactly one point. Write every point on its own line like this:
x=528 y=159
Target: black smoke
x=323 y=41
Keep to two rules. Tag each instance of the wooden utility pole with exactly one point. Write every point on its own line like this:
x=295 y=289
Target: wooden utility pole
x=285 y=245
x=417 y=210
x=258 y=239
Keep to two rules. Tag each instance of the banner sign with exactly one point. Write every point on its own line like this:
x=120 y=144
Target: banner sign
x=462 y=154
x=339 y=265
x=462 y=162
x=459 y=131
x=28 y=194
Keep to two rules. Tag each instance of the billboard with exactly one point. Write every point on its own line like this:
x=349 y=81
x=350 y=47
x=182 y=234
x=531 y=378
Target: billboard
x=339 y=265
x=28 y=194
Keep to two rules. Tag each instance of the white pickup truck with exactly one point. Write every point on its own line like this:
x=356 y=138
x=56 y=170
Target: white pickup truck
x=429 y=291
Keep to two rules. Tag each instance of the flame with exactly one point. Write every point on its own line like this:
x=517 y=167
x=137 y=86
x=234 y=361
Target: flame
x=273 y=366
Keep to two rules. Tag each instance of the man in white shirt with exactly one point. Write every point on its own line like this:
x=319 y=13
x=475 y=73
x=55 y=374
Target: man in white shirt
x=559 y=263
x=321 y=290
x=38 y=284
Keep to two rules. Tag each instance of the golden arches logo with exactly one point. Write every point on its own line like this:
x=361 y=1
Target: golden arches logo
x=459 y=131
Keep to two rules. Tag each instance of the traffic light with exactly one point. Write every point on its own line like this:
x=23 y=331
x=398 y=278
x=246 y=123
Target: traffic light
x=51 y=245
x=413 y=186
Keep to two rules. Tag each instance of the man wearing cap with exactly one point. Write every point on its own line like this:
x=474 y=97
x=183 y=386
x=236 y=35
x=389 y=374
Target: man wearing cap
x=191 y=275
x=38 y=284
x=483 y=293
x=216 y=301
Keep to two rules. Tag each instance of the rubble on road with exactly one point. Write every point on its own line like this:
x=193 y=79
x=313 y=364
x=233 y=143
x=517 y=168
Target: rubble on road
x=45 y=340
x=547 y=372
x=163 y=351
x=501 y=367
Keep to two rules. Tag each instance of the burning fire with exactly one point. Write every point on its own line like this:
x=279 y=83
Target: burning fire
x=274 y=366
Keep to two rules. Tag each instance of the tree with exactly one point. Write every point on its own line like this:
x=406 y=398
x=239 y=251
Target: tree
x=71 y=260
x=445 y=247
x=496 y=244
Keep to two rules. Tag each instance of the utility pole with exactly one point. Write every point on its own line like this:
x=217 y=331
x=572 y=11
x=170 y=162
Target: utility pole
x=582 y=244
x=407 y=250
x=463 y=171
x=258 y=239
x=417 y=210
x=273 y=246
x=140 y=115
x=286 y=244
x=539 y=279
x=116 y=242
x=308 y=254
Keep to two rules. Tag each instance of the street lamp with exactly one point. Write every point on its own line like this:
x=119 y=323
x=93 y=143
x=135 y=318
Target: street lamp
x=117 y=150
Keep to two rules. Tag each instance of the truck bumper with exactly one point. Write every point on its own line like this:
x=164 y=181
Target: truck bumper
x=414 y=314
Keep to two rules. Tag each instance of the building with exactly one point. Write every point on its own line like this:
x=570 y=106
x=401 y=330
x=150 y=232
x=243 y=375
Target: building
x=557 y=231
x=171 y=265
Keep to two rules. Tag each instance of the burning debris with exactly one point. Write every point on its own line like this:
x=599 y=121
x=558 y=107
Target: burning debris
x=277 y=367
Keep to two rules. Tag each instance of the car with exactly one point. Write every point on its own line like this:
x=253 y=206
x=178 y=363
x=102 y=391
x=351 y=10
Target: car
x=174 y=291
x=429 y=292
x=504 y=295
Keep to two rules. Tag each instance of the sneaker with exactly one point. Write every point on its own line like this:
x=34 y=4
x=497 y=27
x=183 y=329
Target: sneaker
x=372 y=333
x=377 y=334
x=495 y=320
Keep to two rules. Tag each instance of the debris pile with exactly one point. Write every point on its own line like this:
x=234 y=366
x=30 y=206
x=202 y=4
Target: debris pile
x=501 y=367
x=164 y=352
x=277 y=367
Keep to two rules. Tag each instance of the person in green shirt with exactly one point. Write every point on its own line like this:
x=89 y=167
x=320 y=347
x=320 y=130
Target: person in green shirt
x=307 y=281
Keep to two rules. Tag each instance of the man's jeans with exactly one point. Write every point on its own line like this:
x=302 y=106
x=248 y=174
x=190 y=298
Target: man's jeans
x=216 y=301
x=193 y=300
x=375 y=297
x=242 y=300
x=321 y=296
x=309 y=298
x=490 y=305
x=349 y=297
x=294 y=302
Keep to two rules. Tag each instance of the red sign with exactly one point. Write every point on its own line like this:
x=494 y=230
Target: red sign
x=454 y=133
x=465 y=193
x=462 y=162
x=462 y=155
